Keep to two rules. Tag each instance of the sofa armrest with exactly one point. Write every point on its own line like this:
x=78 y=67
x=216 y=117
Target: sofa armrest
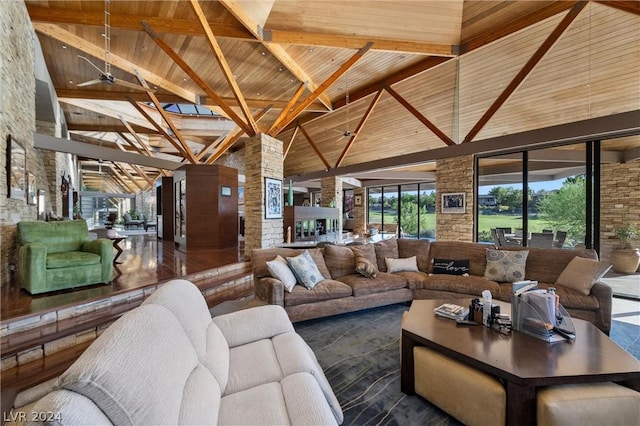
x=604 y=294
x=103 y=247
x=32 y=266
x=250 y=325
x=270 y=290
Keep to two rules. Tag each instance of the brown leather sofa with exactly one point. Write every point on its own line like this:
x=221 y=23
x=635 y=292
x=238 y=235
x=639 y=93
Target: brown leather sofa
x=345 y=290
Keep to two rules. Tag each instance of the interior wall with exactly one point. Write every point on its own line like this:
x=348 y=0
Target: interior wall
x=454 y=176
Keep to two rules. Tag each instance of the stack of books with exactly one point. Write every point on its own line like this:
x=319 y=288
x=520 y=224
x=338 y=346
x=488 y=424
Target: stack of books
x=452 y=311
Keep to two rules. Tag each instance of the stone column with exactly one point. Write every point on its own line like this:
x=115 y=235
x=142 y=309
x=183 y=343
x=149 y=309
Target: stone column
x=455 y=175
x=263 y=158
x=331 y=189
x=360 y=212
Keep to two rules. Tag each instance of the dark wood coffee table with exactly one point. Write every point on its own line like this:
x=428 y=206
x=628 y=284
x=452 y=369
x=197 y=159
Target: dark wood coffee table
x=522 y=362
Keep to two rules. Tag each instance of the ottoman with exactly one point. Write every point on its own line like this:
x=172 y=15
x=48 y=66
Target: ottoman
x=588 y=404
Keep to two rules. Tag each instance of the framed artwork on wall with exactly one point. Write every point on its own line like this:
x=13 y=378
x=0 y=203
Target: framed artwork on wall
x=16 y=169
x=453 y=202
x=272 y=198
x=357 y=200
x=32 y=192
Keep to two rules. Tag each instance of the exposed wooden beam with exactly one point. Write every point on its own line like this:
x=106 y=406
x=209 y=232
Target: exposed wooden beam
x=315 y=147
x=358 y=129
x=232 y=138
x=518 y=24
x=293 y=136
x=137 y=169
x=130 y=143
x=158 y=127
x=195 y=77
x=528 y=67
x=212 y=145
x=354 y=42
x=96 y=51
x=132 y=22
x=139 y=140
x=250 y=128
x=275 y=49
x=417 y=114
x=627 y=6
x=288 y=108
x=104 y=128
x=126 y=172
x=324 y=86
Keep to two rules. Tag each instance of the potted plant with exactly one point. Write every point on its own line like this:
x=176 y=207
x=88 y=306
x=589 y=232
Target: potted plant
x=625 y=257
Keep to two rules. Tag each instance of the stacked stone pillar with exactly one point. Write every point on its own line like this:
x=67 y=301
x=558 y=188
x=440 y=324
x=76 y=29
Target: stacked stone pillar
x=331 y=190
x=455 y=175
x=263 y=158
x=360 y=212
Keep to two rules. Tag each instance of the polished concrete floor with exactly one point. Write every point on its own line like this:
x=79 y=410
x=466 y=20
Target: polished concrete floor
x=145 y=260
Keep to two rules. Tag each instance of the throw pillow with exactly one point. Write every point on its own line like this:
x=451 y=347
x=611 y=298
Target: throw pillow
x=581 y=273
x=451 y=267
x=305 y=269
x=408 y=264
x=506 y=265
x=363 y=265
x=279 y=269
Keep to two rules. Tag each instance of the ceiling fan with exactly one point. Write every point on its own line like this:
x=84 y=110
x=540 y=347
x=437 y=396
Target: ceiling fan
x=105 y=77
x=346 y=133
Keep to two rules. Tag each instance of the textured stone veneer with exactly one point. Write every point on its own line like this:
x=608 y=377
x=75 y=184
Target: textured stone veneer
x=455 y=175
x=331 y=189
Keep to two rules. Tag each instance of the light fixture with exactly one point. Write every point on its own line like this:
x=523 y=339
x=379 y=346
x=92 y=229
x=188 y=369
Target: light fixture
x=64 y=46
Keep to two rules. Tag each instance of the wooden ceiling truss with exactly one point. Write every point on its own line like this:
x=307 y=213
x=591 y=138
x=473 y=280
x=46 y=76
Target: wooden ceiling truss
x=293 y=136
x=315 y=147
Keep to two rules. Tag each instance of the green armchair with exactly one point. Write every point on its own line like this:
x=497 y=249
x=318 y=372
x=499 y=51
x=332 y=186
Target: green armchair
x=59 y=255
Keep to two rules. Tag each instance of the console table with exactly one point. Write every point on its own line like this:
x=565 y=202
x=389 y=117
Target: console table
x=522 y=362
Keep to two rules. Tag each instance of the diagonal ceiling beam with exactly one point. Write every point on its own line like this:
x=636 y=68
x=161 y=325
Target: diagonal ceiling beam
x=158 y=127
x=137 y=169
x=212 y=145
x=528 y=67
x=361 y=124
x=276 y=50
x=417 y=114
x=139 y=140
x=518 y=24
x=131 y=178
x=627 y=6
x=293 y=136
x=324 y=86
x=232 y=138
x=81 y=44
x=286 y=109
x=315 y=147
x=195 y=77
x=226 y=70
x=348 y=41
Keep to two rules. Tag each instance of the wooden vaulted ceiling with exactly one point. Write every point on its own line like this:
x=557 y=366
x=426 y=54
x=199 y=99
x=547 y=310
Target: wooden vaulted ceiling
x=401 y=76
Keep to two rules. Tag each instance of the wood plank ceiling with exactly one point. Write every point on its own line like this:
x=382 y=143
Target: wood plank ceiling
x=409 y=76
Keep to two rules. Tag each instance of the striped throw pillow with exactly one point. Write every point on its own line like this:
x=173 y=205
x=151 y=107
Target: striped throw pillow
x=363 y=266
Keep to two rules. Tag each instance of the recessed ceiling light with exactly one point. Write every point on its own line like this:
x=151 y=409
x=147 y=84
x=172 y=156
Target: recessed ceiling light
x=70 y=81
x=64 y=46
x=263 y=53
x=258 y=93
x=310 y=50
x=155 y=87
x=280 y=69
x=184 y=79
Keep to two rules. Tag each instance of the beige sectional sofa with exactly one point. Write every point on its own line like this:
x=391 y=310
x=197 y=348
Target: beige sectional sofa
x=169 y=362
x=345 y=290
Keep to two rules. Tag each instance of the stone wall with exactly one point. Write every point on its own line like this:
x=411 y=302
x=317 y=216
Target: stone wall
x=17 y=118
x=619 y=202
x=331 y=190
x=263 y=158
x=360 y=212
x=455 y=175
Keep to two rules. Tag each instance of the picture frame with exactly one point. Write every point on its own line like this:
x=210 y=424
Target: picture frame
x=317 y=199
x=454 y=202
x=32 y=192
x=225 y=191
x=16 y=169
x=272 y=198
x=357 y=200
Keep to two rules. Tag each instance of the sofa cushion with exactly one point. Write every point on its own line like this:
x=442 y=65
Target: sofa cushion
x=408 y=247
x=414 y=279
x=386 y=248
x=200 y=399
x=472 y=284
x=252 y=364
x=364 y=266
x=260 y=257
x=506 y=266
x=459 y=250
x=111 y=374
x=451 y=266
x=318 y=257
x=306 y=404
x=68 y=259
x=546 y=265
x=67 y=235
x=324 y=290
x=581 y=274
x=398 y=265
x=383 y=282
x=279 y=269
x=340 y=261
x=305 y=269
x=262 y=405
